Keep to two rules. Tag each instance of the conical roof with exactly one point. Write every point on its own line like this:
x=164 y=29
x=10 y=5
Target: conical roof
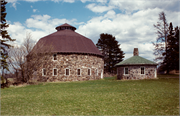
x=66 y=40
x=65 y=26
x=136 y=60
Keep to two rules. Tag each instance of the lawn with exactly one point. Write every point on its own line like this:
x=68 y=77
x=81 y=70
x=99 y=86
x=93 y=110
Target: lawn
x=99 y=97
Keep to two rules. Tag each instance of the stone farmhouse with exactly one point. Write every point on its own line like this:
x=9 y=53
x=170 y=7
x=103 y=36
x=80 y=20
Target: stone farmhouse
x=136 y=67
x=74 y=57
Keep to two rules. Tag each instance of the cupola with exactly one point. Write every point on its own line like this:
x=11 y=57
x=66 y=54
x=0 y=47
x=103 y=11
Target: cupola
x=65 y=27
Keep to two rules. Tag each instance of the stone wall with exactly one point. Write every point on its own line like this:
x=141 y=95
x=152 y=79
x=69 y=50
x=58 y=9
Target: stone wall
x=134 y=72
x=73 y=62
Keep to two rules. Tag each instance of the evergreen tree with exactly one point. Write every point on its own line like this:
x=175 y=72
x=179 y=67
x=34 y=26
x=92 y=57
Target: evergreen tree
x=5 y=38
x=171 y=59
x=110 y=48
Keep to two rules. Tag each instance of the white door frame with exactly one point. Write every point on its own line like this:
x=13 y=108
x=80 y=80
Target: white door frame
x=102 y=74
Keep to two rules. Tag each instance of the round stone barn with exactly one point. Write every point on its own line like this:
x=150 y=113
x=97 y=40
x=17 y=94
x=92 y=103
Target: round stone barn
x=73 y=57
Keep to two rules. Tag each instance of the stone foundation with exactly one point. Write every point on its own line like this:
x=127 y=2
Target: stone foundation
x=134 y=72
x=73 y=62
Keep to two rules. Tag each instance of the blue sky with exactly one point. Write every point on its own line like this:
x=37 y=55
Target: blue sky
x=24 y=10
x=130 y=21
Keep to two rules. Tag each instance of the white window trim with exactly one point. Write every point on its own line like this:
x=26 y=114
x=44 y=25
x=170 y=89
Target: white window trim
x=125 y=71
x=53 y=71
x=88 y=72
x=155 y=72
x=53 y=57
x=65 y=72
x=144 y=70
x=77 y=72
x=43 y=72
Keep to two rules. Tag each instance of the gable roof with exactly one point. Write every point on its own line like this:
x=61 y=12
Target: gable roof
x=66 y=40
x=136 y=60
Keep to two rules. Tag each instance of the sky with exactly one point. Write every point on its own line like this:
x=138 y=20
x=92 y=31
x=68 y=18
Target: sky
x=129 y=21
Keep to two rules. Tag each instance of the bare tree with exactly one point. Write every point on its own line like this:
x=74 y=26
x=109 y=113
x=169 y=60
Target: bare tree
x=28 y=58
x=37 y=58
x=161 y=41
x=17 y=60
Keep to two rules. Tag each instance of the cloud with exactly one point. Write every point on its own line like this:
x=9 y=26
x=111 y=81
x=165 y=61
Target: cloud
x=11 y=1
x=14 y=5
x=33 y=0
x=34 y=10
x=69 y=1
x=131 y=6
x=101 y=1
x=98 y=8
x=131 y=30
x=132 y=26
x=84 y=1
x=16 y=31
x=38 y=25
x=46 y=23
x=14 y=2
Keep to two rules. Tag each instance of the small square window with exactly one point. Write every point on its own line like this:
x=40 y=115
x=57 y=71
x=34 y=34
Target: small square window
x=89 y=71
x=142 y=70
x=126 y=71
x=54 y=71
x=78 y=72
x=67 y=72
x=55 y=57
x=43 y=72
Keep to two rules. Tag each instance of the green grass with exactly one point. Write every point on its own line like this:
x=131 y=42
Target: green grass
x=99 y=97
x=168 y=76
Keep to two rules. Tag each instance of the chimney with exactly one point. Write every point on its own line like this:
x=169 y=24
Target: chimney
x=136 y=52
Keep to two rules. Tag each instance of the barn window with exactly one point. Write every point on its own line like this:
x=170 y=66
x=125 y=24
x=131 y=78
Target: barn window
x=142 y=70
x=126 y=71
x=67 y=72
x=97 y=72
x=43 y=72
x=78 y=72
x=55 y=57
x=54 y=71
x=89 y=71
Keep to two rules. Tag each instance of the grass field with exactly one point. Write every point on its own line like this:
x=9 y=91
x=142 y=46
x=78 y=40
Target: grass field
x=99 y=97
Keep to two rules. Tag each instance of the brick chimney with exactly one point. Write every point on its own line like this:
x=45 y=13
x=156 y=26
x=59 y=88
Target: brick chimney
x=136 y=52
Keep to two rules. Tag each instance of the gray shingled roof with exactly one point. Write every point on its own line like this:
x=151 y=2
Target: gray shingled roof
x=136 y=60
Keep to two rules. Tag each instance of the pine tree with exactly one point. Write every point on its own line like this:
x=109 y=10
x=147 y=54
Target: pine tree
x=110 y=48
x=5 y=38
x=171 y=59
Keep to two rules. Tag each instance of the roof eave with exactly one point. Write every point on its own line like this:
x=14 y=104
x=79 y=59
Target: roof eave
x=136 y=65
x=100 y=55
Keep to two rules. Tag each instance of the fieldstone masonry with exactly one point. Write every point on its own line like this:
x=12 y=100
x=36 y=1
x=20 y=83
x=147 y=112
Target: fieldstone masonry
x=136 y=67
x=73 y=62
x=134 y=72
